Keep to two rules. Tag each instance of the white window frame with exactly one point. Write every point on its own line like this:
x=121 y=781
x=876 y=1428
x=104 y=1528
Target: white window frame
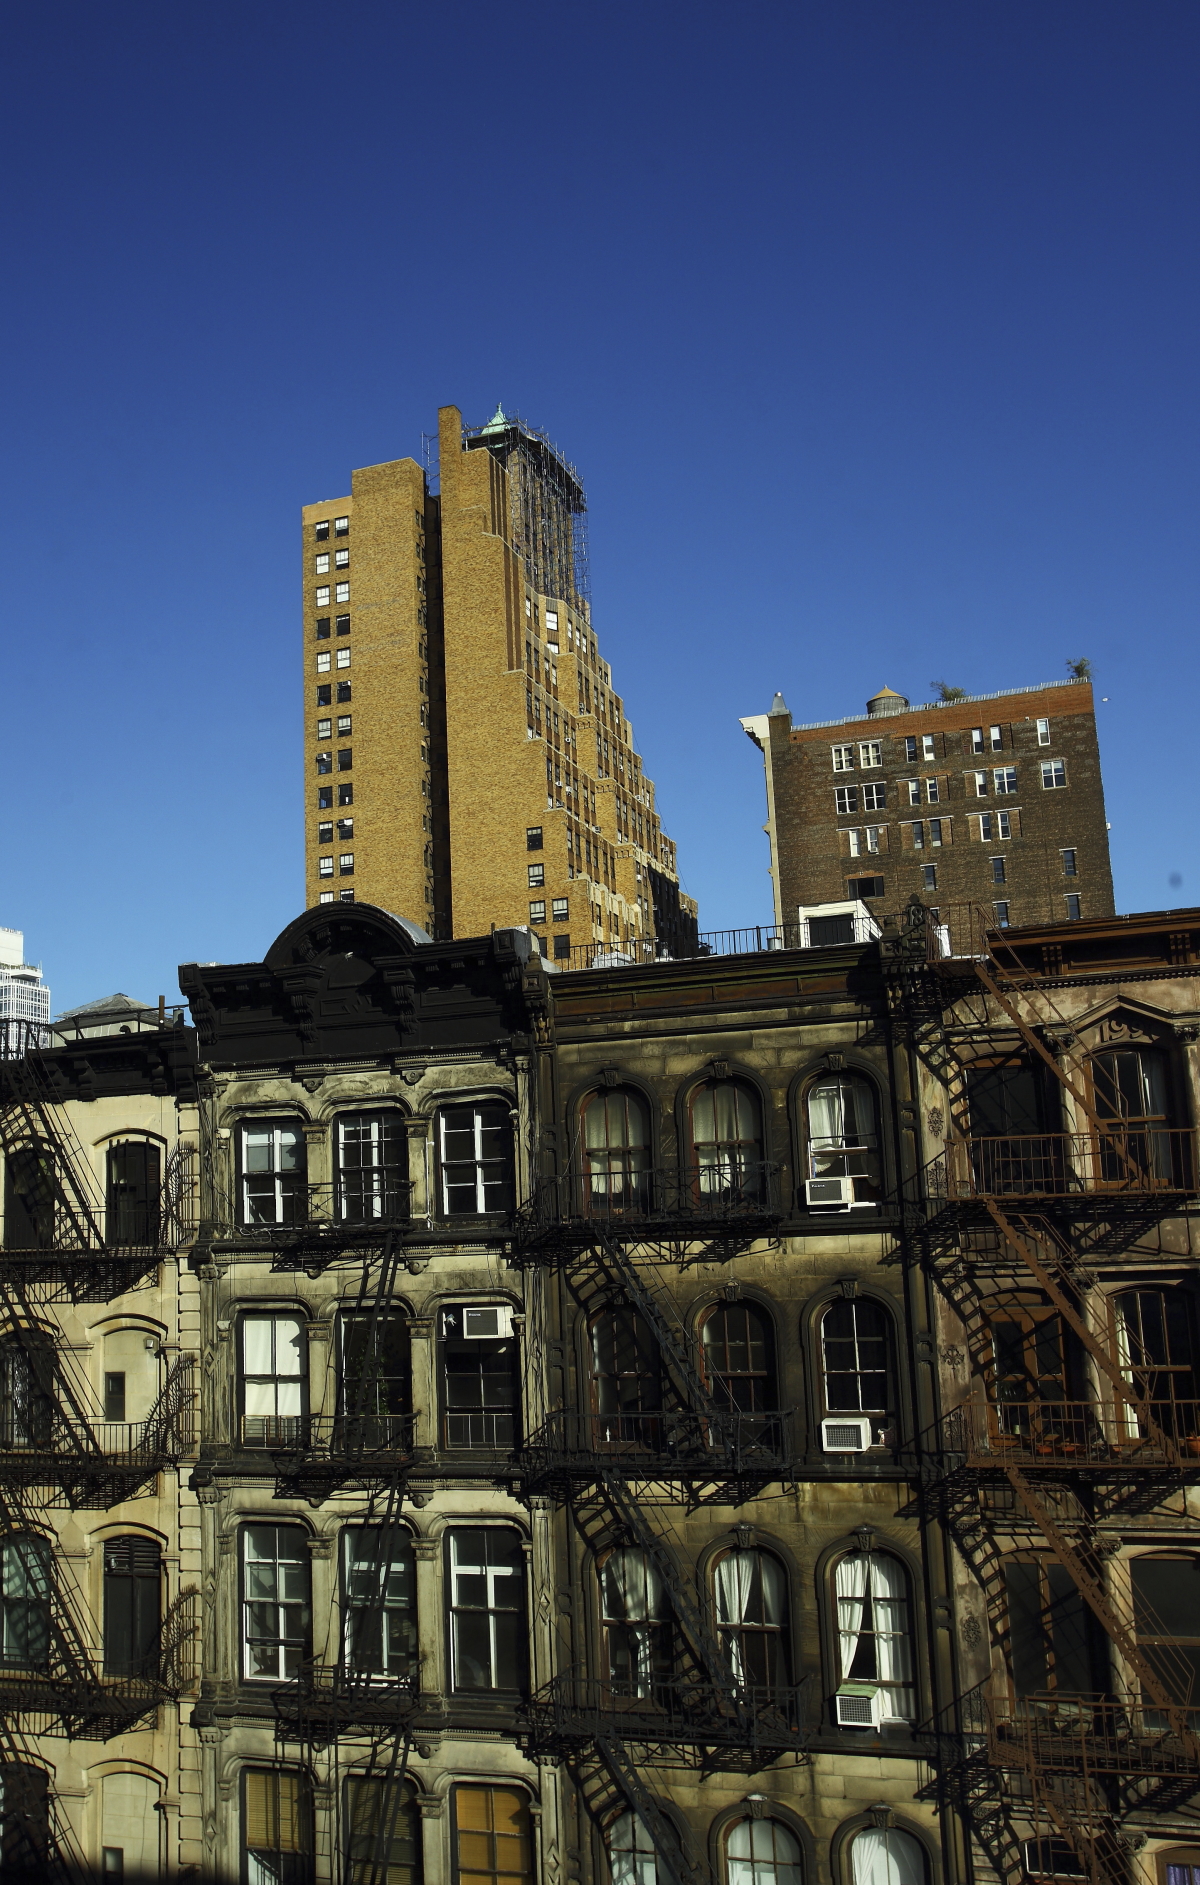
x=918 y=834
x=282 y=1641
x=1070 y=851
x=874 y=796
x=985 y=828
x=873 y=840
x=322 y=563
x=1073 y=897
x=870 y=754
x=981 y=783
x=977 y=745
x=1003 y=876
x=929 y=871
x=1003 y=825
x=996 y=738
x=936 y=836
x=1049 y=767
x=850 y=794
x=275 y=1170
x=914 y=791
x=1004 y=778
x=323 y=661
x=343 y=657
x=492 y=1575
x=1043 y=732
x=933 y=792
x=928 y=747
x=843 y=758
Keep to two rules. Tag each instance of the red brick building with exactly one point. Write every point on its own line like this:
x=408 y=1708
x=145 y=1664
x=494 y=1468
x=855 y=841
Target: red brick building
x=995 y=799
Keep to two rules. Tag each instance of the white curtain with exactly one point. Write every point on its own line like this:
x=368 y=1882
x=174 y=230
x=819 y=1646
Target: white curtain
x=734 y=1588
x=632 y=1588
x=893 y=1646
x=886 y=1856
x=850 y=1585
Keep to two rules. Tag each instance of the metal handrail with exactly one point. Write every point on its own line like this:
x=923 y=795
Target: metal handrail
x=332 y=1436
x=630 y=1194
x=334 y=1205
x=575 y=1707
x=1137 y=1160
x=673 y=1440
x=1081 y=1434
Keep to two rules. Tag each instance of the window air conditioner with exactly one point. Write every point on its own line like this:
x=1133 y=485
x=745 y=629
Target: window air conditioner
x=838 y=1192
x=492 y=1324
x=847 y=1434
x=857 y=1705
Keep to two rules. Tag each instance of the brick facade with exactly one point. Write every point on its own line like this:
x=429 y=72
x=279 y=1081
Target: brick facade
x=952 y=803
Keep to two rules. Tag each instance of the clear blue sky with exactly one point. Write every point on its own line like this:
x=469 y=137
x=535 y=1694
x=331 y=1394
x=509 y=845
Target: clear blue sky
x=872 y=328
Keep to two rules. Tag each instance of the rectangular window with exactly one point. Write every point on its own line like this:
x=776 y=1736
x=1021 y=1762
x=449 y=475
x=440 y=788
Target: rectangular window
x=344 y=726
x=324 y=797
x=843 y=759
x=537 y=875
x=559 y=910
x=345 y=795
x=475 y=1158
x=977 y=745
x=274 y=1173
x=929 y=876
x=846 y=799
x=326 y=896
x=341 y=526
x=1068 y=864
x=1005 y=780
x=1054 y=773
x=870 y=753
x=382 y=1832
x=379 y=1601
x=346 y=863
x=864 y=887
x=345 y=828
x=533 y=837
x=1073 y=909
x=343 y=658
x=343 y=624
x=132 y=1605
x=325 y=833
x=341 y=559
x=323 y=661
x=914 y=790
x=345 y=896
x=321 y=530
x=935 y=831
x=345 y=760
x=487 y=1610
x=341 y=592
x=874 y=797
x=537 y=912
x=272 y=1385
x=323 y=596
x=323 y=628
x=1004 y=824
x=918 y=836
x=985 y=827
x=371 y=1167
x=323 y=564
x=562 y=946
x=1043 y=732
x=910 y=747
x=343 y=689
x=932 y=791
x=491 y=1831
x=1001 y=912
x=873 y=840
x=325 y=696
x=855 y=838
x=276 y=1607
x=114 y=1396
x=324 y=729
x=998 y=871
x=479 y=1372
x=996 y=738
x=928 y=750
x=979 y=780
x=325 y=867
x=276 y=1818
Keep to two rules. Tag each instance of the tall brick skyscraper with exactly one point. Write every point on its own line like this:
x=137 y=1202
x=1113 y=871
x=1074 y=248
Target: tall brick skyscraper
x=467 y=761
x=994 y=800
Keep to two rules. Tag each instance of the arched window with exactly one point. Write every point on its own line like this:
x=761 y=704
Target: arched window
x=383 y=1832
x=751 y=1594
x=1131 y=1091
x=474 y=1143
x=130 y=1827
x=134 y=1193
x=379 y=1615
x=762 y=1852
x=1166 y=1609
x=737 y=1346
x=374 y=1379
x=726 y=1129
x=887 y=1855
x=1180 y=1866
x=24 y=1603
x=631 y=1856
x=856 y=1364
x=616 y=1152
x=627 y=1387
x=874 y=1633
x=132 y=1605
x=31 y=1190
x=638 y=1636
x=843 y=1143
x=24 y=1821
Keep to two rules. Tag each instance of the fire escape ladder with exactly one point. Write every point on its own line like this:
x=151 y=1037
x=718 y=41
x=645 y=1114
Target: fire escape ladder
x=32 y=1119
x=615 y=1265
x=672 y=1864
x=704 y=1643
x=1114 y=1619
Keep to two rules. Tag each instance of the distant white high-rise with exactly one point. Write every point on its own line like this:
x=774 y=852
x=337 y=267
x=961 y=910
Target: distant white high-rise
x=23 y=994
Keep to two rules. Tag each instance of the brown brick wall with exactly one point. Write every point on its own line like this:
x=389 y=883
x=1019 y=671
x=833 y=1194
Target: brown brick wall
x=814 y=838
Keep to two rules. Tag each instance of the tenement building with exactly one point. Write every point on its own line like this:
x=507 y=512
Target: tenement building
x=466 y=755
x=994 y=800
x=731 y=1421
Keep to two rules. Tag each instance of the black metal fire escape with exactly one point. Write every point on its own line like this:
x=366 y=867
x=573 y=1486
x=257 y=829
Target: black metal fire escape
x=618 y=1472
x=1046 y=1774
